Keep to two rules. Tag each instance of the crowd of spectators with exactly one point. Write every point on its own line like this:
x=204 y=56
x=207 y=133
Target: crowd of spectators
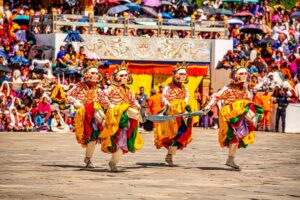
x=31 y=98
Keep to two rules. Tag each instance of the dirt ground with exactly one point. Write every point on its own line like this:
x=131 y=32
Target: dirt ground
x=50 y=166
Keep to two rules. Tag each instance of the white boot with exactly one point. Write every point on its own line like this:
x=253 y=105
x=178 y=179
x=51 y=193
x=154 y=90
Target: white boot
x=169 y=160
x=115 y=158
x=230 y=162
x=169 y=157
x=88 y=163
x=113 y=166
x=89 y=154
x=232 y=151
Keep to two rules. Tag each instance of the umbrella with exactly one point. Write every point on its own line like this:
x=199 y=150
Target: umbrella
x=4 y=55
x=251 y=28
x=19 y=60
x=117 y=9
x=44 y=47
x=149 y=11
x=109 y=2
x=268 y=40
x=166 y=15
x=71 y=3
x=152 y=3
x=296 y=15
x=207 y=9
x=73 y=36
x=234 y=21
x=244 y=14
x=184 y=3
x=242 y=1
x=166 y=3
x=125 y=1
x=21 y=20
x=223 y=12
x=133 y=6
x=4 y=68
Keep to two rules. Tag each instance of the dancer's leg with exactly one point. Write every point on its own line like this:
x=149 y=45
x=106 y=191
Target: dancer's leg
x=169 y=157
x=231 y=155
x=115 y=158
x=89 y=154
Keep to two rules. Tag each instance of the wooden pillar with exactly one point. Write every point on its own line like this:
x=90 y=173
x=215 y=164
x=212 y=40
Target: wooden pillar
x=205 y=88
x=126 y=22
x=53 y=21
x=159 y=24
x=193 y=26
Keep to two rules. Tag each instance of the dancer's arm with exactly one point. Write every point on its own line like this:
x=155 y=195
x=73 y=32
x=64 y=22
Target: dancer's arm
x=215 y=99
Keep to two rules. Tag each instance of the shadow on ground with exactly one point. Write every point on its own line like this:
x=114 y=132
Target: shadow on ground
x=96 y=169
x=218 y=169
x=64 y=166
x=152 y=165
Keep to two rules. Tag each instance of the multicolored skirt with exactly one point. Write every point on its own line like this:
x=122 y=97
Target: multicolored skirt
x=177 y=132
x=120 y=131
x=235 y=125
x=87 y=128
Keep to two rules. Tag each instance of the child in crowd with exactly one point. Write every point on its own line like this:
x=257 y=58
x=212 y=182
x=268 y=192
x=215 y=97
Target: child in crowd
x=27 y=123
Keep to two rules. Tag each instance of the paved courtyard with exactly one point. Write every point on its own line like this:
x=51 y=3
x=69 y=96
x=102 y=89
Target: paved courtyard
x=50 y=166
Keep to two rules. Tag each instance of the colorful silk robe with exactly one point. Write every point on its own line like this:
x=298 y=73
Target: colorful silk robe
x=120 y=131
x=234 y=125
x=177 y=132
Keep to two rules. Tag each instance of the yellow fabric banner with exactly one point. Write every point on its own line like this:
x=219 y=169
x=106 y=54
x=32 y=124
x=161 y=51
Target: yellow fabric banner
x=192 y=85
x=139 y=80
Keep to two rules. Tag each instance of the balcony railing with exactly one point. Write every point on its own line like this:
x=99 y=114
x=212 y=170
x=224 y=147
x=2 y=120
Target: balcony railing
x=53 y=22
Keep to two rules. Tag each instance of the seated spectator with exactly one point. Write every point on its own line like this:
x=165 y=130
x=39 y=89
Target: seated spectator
x=15 y=120
x=58 y=124
x=27 y=123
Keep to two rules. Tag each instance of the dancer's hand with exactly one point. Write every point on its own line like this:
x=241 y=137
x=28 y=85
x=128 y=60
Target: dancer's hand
x=206 y=110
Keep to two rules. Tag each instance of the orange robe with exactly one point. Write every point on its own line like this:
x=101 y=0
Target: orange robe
x=155 y=104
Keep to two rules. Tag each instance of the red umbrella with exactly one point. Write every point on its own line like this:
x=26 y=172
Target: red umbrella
x=244 y=14
x=109 y=2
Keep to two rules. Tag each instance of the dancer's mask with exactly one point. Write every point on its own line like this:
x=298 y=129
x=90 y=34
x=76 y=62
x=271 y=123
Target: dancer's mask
x=180 y=73
x=121 y=75
x=239 y=74
x=92 y=75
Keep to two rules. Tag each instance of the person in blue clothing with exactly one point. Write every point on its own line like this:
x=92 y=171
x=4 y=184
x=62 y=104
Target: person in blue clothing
x=39 y=122
x=142 y=100
x=3 y=77
x=252 y=68
x=282 y=100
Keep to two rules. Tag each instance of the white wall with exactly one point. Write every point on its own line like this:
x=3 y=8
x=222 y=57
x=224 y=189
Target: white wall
x=219 y=77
